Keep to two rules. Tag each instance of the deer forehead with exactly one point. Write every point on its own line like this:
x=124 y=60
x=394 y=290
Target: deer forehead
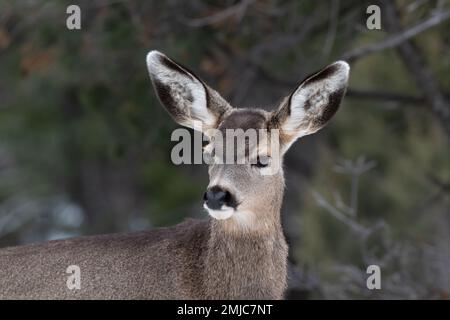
x=245 y=119
x=248 y=119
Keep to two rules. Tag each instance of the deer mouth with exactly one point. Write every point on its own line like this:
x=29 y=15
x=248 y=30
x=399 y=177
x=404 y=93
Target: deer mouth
x=223 y=213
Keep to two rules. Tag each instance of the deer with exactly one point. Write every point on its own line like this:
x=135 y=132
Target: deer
x=238 y=252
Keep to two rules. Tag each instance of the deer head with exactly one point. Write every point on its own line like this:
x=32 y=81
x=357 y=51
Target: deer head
x=243 y=194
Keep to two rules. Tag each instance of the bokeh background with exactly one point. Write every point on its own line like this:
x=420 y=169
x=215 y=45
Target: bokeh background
x=85 y=145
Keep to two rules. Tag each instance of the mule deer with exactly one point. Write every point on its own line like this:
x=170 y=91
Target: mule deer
x=238 y=252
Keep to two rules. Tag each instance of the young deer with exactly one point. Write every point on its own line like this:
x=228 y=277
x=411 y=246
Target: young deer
x=239 y=252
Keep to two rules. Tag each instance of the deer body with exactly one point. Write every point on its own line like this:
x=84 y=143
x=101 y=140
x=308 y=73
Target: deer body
x=168 y=263
x=238 y=253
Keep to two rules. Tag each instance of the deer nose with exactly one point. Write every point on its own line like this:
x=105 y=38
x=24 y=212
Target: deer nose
x=216 y=197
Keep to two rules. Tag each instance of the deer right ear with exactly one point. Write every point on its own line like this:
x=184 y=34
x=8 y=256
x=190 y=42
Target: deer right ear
x=312 y=104
x=184 y=95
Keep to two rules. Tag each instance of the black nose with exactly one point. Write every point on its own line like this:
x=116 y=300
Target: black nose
x=216 y=197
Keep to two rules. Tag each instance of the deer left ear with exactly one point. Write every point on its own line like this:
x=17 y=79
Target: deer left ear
x=187 y=98
x=312 y=104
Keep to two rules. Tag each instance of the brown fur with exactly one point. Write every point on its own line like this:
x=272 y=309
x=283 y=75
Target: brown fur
x=197 y=254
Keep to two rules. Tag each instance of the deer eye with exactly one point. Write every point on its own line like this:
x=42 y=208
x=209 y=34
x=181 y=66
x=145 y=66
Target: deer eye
x=262 y=162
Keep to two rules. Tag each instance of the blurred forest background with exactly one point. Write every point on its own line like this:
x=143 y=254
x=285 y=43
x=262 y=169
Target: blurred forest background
x=85 y=145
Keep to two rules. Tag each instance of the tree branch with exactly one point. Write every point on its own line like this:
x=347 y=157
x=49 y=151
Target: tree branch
x=399 y=37
x=237 y=11
x=387 y=96
x=363 y=94
x=353 y=224
x=413 y=59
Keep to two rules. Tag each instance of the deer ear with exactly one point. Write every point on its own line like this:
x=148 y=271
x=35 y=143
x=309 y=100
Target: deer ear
x=187 y=99
x=312 y=104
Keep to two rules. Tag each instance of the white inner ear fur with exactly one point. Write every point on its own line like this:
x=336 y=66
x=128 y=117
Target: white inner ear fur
x=317 y=95
x=188 y=93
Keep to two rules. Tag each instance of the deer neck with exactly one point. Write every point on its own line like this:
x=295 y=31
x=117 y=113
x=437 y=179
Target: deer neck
x=240 y=258
x=258 y=219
